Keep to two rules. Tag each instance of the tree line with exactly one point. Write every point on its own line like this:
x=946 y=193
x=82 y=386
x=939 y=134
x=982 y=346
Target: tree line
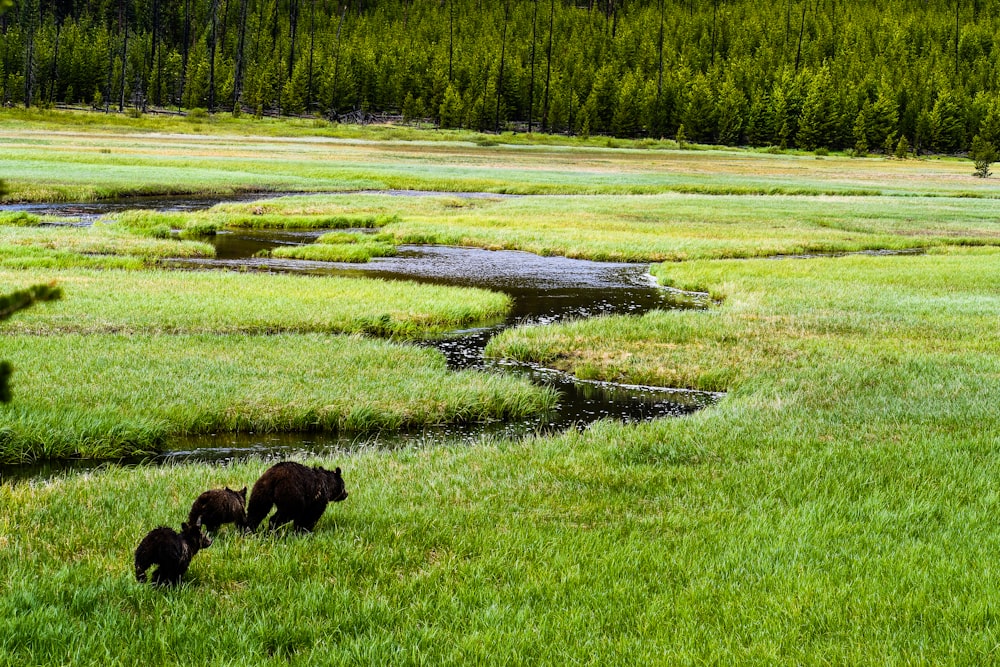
x=868 y=75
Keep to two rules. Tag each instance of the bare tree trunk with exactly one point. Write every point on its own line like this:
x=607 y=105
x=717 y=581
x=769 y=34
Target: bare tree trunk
x=293 y=24
x=548 y=68
x=659 y=49
x=451 y=35
x=802 y=28
x=958 y=6
x=336 y=62
x=211 y=54
x=531 y=93
x=238 y=73
x=54 y=73
x=121 y=97
x=30 y=22
x=503 y=53
x=715 y=21
x=184 y=53
x=312 y=46
x=6 y=64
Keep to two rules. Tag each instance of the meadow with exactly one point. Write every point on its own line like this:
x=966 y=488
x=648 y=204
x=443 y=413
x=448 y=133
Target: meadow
x=837 y=506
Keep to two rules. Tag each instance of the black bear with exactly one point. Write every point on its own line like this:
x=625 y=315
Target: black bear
x=171 y=551
x=299 y=493
x=218 y=506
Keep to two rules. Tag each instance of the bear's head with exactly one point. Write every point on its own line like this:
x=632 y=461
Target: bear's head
x=240 y=496
x=193 y=535
x=335 y=490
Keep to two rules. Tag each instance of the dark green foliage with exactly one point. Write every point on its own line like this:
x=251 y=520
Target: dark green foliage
x=848 y=74
x=983 y=153
x=10 y=304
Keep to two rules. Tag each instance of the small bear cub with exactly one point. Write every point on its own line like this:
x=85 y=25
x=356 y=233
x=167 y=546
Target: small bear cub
x=170 y=551
x=300 y=494
x=218 y=506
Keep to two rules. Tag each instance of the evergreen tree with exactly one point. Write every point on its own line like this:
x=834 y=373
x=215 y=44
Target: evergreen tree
x=984 y=154
x=731 y=112
x=820 y=121
x=947 y=129
x=699 y=117
x=627 y=119
x=451 y=111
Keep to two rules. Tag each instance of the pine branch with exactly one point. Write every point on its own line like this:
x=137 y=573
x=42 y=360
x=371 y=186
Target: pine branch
x=21 y=299
x=10 y=304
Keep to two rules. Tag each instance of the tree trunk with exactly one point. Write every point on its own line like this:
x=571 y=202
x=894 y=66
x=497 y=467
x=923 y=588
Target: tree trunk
x=659 y=49
x=293 y=24
x=312 y=46
x=548 y=68
x=211 y=54
x=238 y=73
x=336 y=63
x=54 y=73
x=802 y=29
x=184 y=54
x=503 y=53
x=531 y=93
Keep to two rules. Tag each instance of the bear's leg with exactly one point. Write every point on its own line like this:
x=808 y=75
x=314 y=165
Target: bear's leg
x=306 y=522
x=278 y=520
x=256 y=512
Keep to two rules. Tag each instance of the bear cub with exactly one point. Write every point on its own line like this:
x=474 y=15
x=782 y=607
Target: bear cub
x=170 y=551
x=300 y=494
x=218 y=506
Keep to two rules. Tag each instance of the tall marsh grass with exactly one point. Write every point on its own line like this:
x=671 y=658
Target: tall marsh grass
x=114 y=301
x=101 y=396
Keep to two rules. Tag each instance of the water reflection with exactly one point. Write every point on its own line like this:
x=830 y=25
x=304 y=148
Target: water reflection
x=544 y=290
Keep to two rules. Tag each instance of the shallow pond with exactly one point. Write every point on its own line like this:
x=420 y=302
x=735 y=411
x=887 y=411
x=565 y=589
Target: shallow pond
x=544 y=290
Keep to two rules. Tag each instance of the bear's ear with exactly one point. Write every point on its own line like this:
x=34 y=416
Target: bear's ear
x=243 y=492
x=337 y=471
x=185 y=526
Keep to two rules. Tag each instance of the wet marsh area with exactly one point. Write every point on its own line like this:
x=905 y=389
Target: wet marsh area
x=542 y=290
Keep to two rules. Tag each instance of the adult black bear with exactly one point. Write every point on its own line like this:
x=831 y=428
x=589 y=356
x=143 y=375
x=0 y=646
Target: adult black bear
x=171 y=551
x=218 y=506
x=299 y=493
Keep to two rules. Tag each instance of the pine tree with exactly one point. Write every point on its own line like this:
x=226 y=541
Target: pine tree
x=984 y=154
x=948 y=127
x=627 y=119
x=820 y=120
x=731 y=112
x=699 y=117
x=451 y=111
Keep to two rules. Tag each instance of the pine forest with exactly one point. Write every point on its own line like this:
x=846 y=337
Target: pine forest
x=859 y=75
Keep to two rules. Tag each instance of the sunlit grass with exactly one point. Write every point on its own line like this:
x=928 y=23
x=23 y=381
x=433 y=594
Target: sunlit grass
x=336 y=252
x=69 y=157
x=217 y=302
x=112 y=395
x=668 y=227
x=98 y=240
x=838 y=506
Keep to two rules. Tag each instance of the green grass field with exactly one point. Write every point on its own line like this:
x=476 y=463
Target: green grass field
x=837 y=507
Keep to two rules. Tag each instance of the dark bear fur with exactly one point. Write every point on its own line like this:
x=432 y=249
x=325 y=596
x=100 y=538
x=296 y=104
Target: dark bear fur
x=171 y=551
x=299 y=493
x=218 y=506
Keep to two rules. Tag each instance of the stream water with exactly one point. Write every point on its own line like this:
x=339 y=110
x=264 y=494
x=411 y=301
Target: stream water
x=544 y=290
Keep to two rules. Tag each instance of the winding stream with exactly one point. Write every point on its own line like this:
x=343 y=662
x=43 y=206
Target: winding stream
x=544 y=290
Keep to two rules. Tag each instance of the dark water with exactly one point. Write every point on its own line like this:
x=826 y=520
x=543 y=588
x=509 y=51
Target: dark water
x=87 y=212
x=544 y=290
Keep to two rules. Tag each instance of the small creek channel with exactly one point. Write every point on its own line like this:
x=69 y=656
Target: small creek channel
x=544 y=290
